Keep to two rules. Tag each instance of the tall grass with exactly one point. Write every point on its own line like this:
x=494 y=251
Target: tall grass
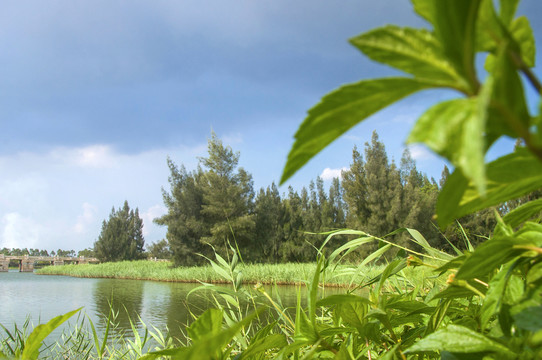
x=80 y=340
x=396 y=307
x=280 y=274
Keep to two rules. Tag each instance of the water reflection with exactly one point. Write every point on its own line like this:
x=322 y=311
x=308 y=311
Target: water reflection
x=159 y=304
x=125 y=299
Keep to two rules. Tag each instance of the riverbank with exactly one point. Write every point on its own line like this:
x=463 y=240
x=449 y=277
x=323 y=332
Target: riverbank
x=281 y=274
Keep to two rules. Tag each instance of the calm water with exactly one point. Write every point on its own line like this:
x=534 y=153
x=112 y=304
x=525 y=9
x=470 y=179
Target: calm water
x=44 y=297
x=160 y=304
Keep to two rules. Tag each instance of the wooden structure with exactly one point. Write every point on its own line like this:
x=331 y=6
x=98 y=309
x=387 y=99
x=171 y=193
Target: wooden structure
x=26 y=263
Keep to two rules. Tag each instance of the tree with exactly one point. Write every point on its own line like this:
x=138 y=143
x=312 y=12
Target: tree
x=227 y=197
x=270 y=217
x=184 y=219
x=355 y=191
x=89 y=253
x=378 y=195
x=121 y=237
x=160 y=250
x=212 y=205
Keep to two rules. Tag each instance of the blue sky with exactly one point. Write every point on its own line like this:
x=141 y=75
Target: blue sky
x=94 y=95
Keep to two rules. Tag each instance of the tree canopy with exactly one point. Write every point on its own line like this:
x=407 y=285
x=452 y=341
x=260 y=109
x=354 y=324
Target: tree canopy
x=121 y=237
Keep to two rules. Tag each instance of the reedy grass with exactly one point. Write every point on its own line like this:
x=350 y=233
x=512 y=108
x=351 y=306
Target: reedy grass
x=80 y=340
x=280 y=274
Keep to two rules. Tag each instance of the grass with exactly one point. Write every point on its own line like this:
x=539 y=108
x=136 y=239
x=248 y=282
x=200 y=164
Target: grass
x=281 y=274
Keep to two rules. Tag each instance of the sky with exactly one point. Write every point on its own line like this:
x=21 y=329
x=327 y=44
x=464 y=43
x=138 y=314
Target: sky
x=95 y=95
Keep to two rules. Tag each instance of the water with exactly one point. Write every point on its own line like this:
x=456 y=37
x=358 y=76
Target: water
x=160 y=304
x=42 y=297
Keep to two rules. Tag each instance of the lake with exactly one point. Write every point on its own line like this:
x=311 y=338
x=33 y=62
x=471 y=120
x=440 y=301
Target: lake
x=161 y=304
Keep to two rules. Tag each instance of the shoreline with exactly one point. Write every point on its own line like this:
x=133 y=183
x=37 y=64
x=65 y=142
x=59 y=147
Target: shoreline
x=288 y=274
x=195 y=281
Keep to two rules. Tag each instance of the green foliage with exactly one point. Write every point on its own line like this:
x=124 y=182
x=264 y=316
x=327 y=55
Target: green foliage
x=18 y=345
x=89 y=252
x=208 y=206
x=121 y=237
x=159 y=250
x=461 y=130
x=492 y=305
x=227 y=197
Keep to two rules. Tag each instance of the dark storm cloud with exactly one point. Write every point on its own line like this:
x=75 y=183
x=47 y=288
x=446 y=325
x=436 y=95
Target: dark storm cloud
x=144 y=74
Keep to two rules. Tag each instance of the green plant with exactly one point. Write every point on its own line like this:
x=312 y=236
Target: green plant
x=499 y=283
x=20 y=346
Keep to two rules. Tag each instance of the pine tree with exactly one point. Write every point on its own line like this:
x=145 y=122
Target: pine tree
x=270 y=218
x=227 y=198
x=355 y=192
x=335 y=214
x=184 y=220
x=396 y=211
x=121 y=237
x=378 y=194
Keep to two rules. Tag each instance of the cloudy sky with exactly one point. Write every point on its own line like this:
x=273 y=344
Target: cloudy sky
x=94 y=95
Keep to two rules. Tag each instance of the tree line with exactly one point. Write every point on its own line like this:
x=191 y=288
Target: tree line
x=215 y=207
x=37 y=252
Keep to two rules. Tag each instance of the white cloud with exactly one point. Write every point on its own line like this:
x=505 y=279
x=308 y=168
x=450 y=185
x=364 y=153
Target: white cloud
x=148 y=216
x=232 y=139
x=420 y=152
x=85 y=219
x=19 y=231
x=94 y=156
x=329 y=174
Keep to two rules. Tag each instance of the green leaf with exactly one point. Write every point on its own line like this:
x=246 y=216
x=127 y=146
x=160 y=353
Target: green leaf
x=418 y=239
x=508 y=10
x=341 y=110
x=495 y=31
x=461 y=290
x=529 y=318
x=304 y=330
x=425 y=8
x=415 y=51
x=454 y=24
x=342 y=299
x=313 y=290
x=498 y=251
x=438 y=316
x=207 y=347
x=391 y=269
x=509 y=114
x=523 y=213
x=408 y=306
x=353 y=313
x=219 y=270
x=453 y=129
x=459 y=197
x=261 y=345
x=210 y=322
x=535 y=273
x=523 y=35
x=35 y=339
x=344 y=353
x=460 y=339
x=494 y=295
